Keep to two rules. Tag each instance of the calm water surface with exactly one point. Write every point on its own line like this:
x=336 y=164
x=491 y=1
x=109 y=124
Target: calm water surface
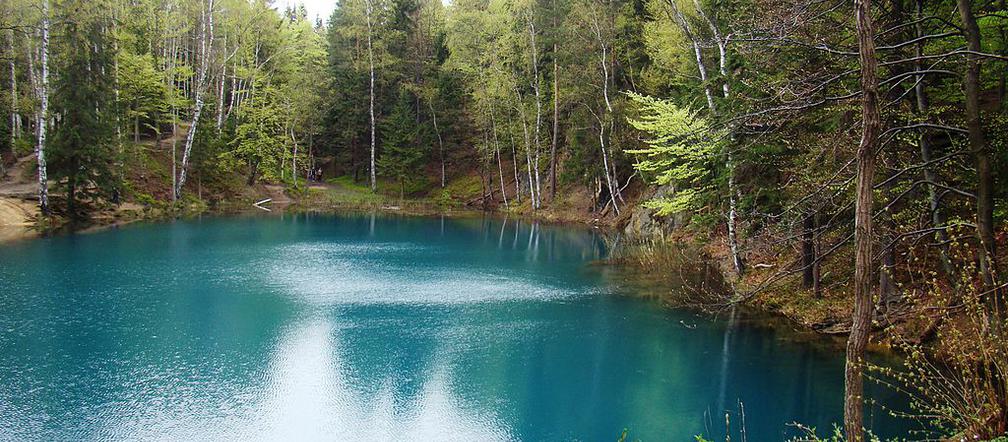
x=365 y=328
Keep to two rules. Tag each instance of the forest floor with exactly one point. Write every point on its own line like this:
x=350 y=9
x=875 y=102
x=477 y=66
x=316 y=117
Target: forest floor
x=913 y=313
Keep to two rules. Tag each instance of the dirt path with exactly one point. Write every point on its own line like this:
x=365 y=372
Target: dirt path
x=279 y=197
x=18 y=183
x=18 y=201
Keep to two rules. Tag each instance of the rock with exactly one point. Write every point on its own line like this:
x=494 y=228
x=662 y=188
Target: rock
x=644 y=223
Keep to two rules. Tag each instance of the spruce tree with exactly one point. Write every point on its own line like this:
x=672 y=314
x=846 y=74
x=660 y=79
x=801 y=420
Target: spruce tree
x=401 y=157
x=83 y=103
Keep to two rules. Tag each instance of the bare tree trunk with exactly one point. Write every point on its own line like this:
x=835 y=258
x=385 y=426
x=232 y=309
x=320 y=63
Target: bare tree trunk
x=294 y=162
x=206 y=42
x=605 y=165
x=440 y=142
x=537 y=196
x=684 y=25
x=733 y=242
x=369 y=11
x=500 y=167
x=923 y=107
x=978 y=146
x=15 y=116
x=611 y=185
x=220 y=91
x=1003 y=81
x=234 y=91
x=556 y=113
x=528 y=163
x=43 y=116
x=514 y=162
x=863 y=235
x=722 y=43
x=174 y=110
x=808 y=251
x=528 y=149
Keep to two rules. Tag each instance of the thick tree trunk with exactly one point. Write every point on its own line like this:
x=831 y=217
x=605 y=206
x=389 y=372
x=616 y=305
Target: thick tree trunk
x=206 y=43
x=43 y=116
x=863 y=235
x=978 y=146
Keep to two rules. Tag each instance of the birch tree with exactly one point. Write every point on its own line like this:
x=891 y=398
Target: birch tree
x=369 y=16
x=43 y=114
x=206 y=44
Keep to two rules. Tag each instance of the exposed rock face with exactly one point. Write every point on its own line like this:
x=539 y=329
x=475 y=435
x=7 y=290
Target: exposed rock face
x=16 y=218
x=644 y=223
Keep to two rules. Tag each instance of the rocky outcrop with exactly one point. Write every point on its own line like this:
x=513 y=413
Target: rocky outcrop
x=643 y=223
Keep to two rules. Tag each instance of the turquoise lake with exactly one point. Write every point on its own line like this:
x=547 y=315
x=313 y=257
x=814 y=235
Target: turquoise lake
x=349 y=328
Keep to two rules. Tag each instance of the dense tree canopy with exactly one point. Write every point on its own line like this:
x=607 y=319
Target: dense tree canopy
x=742 y=117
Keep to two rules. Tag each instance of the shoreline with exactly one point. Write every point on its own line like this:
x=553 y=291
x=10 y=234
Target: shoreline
x=124 y=216
x=657 y=275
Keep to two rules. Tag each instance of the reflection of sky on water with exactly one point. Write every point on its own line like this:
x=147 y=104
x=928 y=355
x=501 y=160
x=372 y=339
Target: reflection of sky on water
x=369 y=328
x=330 y=274
x=306 y=396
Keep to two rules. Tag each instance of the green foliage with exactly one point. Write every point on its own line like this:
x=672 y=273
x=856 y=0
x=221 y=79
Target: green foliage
x=143 y=93
x=955 y=387
x=259 y=137
x=83 y=149
x=680 y=148
x=401 y=156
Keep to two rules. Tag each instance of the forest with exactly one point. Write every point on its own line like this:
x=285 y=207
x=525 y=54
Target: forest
x=845 y=155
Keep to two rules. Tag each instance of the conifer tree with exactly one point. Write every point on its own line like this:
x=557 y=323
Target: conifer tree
x=82 y=150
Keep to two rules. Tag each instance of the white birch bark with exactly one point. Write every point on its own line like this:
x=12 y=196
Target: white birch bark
x=605 y=165
x=537 y=199
x=500 y=167
x=43 y=116
x=514 y=162
x=439 y=140
x=528 y=149
x=206 y=34
x=220 y=92
x=611 y=183
x=15 y=115
x=369 y=9
x=294 y=165
x=722 y=43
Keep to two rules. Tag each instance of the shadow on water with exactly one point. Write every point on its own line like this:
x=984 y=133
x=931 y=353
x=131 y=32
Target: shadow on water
x=370 y=327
